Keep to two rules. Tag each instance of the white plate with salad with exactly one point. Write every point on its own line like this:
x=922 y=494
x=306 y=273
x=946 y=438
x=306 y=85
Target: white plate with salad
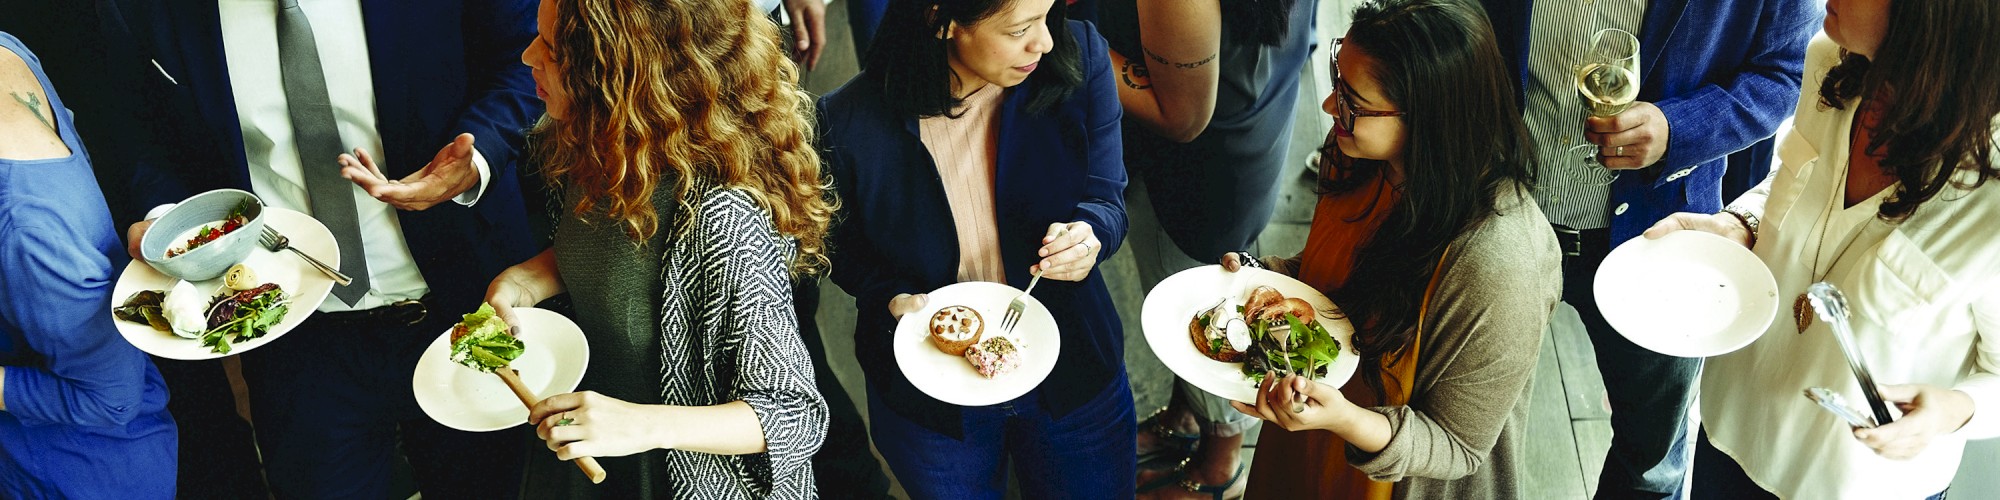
x=258 y=320
x=1225 y=331
x=553 y=357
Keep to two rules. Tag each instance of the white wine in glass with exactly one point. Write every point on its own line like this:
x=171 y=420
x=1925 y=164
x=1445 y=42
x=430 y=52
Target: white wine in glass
x=1607 y=89
x=1608 y=82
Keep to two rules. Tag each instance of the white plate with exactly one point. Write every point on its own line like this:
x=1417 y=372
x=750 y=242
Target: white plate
x=306 y=286
x=1689 y=294
x=1177 y=299
x=952 y=379
x=466 y=399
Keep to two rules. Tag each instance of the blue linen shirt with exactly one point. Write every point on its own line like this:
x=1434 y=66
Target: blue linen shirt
x=86 y=413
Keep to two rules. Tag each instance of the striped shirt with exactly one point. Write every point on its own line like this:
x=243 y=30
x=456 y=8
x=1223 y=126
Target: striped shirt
x=1571 y=193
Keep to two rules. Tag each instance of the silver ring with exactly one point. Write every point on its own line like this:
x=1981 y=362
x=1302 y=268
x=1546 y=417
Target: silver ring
x=1618 y=152
x=1086 y=245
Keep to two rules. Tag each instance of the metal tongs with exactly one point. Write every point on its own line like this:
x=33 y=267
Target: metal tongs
x=1831 y=306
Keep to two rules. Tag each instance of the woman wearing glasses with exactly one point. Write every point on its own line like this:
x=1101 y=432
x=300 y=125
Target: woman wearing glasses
x=1209 y=90
x=1887 y=190
x=1427 y=238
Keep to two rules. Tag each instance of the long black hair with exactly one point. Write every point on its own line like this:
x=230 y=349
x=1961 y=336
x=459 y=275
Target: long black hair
x=1932 y=80
x=1439 y=63
x=911 y=63
x=1258 y=21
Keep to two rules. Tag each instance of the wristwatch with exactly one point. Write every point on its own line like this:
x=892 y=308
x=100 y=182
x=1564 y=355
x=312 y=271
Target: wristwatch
x=1749 y=220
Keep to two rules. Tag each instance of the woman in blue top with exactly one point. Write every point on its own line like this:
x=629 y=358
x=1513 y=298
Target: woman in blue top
x=978 y=131
x=83 y=414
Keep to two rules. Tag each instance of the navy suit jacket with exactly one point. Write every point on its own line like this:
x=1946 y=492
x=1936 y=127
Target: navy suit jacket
x=895 y=234
x=439 y=67
x=1724 y=72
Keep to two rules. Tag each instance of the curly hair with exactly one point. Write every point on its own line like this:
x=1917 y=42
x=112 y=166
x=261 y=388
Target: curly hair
x=681 y=92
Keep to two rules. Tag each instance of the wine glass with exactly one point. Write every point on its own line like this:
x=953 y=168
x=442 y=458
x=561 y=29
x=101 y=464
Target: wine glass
x=1608 y=81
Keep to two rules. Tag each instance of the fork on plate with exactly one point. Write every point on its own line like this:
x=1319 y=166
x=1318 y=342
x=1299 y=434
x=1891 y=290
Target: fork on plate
x=274 y=242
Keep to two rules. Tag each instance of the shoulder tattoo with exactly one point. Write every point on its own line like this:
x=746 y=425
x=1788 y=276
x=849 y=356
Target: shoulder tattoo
x=34 y=105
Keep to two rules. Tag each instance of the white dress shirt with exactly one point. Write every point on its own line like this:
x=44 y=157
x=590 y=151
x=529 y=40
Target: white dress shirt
x=1925 y=301
x=250 y=43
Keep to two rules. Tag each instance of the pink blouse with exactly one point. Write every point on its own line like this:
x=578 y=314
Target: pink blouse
x=967 y=151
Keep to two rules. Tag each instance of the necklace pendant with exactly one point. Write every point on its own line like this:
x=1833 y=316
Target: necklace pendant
x=1802 y=312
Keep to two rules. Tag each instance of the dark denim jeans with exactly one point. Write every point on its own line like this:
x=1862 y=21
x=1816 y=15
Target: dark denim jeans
x=1649 y=392
x=1088 y=453
x=1719 y=477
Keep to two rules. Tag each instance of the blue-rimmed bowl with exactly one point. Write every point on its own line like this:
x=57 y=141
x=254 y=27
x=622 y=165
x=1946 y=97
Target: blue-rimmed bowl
x=211 y=259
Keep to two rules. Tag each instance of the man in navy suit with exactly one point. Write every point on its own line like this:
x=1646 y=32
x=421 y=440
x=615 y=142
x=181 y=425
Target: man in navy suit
x=264 y=95
x=1717 y=77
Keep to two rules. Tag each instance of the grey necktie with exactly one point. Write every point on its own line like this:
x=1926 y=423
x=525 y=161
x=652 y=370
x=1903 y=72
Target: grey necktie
x=318 y=142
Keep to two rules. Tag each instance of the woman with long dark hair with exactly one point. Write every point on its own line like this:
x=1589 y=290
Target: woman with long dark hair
x=1885 y=190
x=1427 y=239
x=680 y=148
x=1209 y=90
x=980 y=143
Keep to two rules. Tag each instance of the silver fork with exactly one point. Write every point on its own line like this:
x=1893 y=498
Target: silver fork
x=1019 y=304
x=275 y=242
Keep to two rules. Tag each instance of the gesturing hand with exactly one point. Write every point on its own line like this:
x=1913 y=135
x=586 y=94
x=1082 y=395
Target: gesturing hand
x=809 y=30
x=1070 y=256
x=1928 y=412
x=588 y=424
x=449 y=174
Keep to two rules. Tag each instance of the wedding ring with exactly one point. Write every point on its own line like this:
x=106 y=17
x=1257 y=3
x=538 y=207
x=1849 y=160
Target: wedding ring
x=1298 y=408
x=1618 y=152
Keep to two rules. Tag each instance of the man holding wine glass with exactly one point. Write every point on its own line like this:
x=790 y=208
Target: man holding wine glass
x=1639 y=108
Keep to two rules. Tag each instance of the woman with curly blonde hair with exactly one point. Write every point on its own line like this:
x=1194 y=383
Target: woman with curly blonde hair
x=678 y=143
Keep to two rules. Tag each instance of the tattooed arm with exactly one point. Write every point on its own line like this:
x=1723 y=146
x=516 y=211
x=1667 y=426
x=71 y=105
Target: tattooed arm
x=27 y=122
x=1170 y=89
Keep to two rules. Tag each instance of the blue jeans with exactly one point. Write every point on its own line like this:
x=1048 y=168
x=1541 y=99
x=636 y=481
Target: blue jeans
x=1649 y=392
x=1088 y=453
x=1717 y=476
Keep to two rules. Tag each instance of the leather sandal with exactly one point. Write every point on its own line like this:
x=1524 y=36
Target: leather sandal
x=1180 y=478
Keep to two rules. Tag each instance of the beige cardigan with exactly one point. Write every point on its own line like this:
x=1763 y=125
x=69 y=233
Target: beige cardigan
x=1463 y=434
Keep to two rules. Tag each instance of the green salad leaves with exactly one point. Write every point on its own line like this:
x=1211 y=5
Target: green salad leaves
x=481 y=341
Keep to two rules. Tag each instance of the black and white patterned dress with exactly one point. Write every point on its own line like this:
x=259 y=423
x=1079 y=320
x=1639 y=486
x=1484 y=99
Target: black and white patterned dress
x=724 y=328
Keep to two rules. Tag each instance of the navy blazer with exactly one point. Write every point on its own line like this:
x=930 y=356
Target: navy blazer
x=1724 y=72
x=895 y=233
x=439 y=67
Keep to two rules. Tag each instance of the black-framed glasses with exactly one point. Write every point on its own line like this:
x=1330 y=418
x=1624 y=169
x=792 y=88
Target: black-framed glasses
x=1343 y=103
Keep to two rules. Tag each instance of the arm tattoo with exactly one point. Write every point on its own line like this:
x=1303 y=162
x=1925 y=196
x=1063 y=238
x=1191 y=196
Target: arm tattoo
x=34 y=105
x=1179 y=65
x=1134 y=69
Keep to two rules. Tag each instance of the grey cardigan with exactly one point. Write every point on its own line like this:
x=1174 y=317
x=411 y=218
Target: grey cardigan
x=1462 y=434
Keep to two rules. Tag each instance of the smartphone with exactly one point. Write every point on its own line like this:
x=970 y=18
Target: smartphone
x=1837 y=405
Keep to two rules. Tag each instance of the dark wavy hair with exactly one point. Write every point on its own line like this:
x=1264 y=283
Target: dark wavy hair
x=1933 y=81
x=1258 y=21
x=1441 y=66
x=911 y=64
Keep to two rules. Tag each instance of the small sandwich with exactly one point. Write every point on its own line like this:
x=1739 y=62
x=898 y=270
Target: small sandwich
x=1219 y=332
x=995 y=356
x=955 y=328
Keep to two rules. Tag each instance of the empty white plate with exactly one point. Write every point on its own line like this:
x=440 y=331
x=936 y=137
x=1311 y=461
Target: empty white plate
x=1690 y=294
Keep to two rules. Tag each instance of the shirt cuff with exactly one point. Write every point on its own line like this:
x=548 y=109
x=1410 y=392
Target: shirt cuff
x=472 y=196
x=160 y=211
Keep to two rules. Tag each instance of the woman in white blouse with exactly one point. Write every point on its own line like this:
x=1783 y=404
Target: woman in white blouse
x=1884 y=191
